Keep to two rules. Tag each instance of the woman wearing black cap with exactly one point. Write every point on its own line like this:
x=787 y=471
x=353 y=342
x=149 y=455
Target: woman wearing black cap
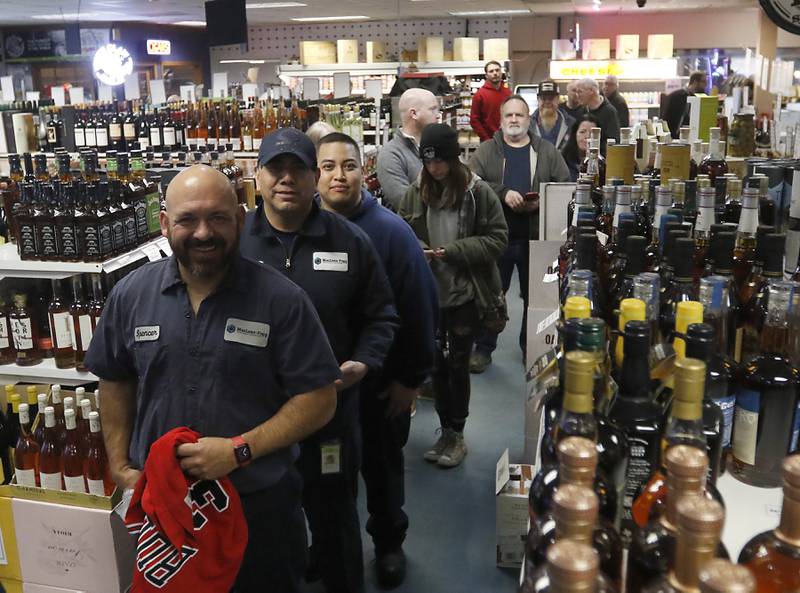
x=460 y=223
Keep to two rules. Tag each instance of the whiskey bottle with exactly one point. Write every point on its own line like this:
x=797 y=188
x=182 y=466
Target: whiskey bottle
x=97 y=302
x=133 y=198
x=699 y=526
x=766 y=421
x=151 y=192
x=123 y=219
x=774 y=556
x=50 y=455
x=25 y=333
x=26 y=452
x=109 y=234
x=87 y=224
x=702 y=230
x=733 y=202
x=64 y=219
x=646 y=288
x=25 y=224
x=72 y=461
x=81 y=323
x=98 y=475
x=60 y=322
x=634 y=265
x=38 y=433
x=11 y=195
x=7 y=353
x=681 y=288
x=714 y=163
x=572 y=567
x=744 y=254
x=720 y=576
x=44 y=224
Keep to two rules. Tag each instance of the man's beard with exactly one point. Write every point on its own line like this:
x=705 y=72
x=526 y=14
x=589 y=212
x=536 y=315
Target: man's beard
x=205 y=269
x=514 y=131
x=548 y=118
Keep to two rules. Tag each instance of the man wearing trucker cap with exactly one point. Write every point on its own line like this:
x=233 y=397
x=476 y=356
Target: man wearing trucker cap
x=548 y=121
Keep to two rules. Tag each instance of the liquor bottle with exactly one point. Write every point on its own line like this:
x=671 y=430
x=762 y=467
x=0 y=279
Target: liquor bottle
x=90 y=174
x=60 y=323
x=7 y=353
x=58 y=408
x=50 y=454
x=235 y=133
x=699 y=526
x=121 y=220
x=98 y=475
x=74 y=480
x=38 y=434
x=577 y=464
x=25 y=333
x=151 y=193
x=613 y=260
x=638 y=417
x=584 y=273
x=87 y=224
x=575 y=517
x=721 y=255
x=55 y=132
x=143 y=137
x=672 y=230
x=714 y=164
x=44 y=223
x=156 y=139
x=702 y=230
x=247 y=133
x=133 y=199
x=11 y=196
x=83 y=425
x=64 y=219
x=79 y=130
x=605 y=218
x=116 y=134
x=168 y=132
x=634 y=265
x=89 y=130
x=733 y=201
x=681 y=288
x=81 y=323
x=101 y=132
x=572 y=567
x=774 y=556
x=744 y=254
x=767 y=419
x=129 y=128
x=631 y=309
x=652 y=551
x=26 y=451
x=646 y=288
x=720 y=576
x=97 y=302
x=662 y=204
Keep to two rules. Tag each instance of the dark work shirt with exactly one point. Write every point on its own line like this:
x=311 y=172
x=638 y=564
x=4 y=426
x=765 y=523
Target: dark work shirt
x=253 y=344
x=517 y=176
x=609 y=122
x=286 y=239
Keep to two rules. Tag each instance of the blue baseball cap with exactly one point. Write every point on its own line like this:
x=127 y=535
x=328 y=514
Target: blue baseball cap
x=287 y=141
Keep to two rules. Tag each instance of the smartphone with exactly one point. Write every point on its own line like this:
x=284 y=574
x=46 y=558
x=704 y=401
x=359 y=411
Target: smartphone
x=532 y=196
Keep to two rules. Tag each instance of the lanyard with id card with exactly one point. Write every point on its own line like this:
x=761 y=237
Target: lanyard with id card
x=331 y=457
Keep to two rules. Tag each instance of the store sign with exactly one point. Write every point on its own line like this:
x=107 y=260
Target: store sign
x=622 y=69
x=784 y=13
x=46 y=43
x=158 y=47
x=111 y=64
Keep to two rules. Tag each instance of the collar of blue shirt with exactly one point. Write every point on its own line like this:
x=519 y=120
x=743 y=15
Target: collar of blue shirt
x=313 y=225
x=236 y=277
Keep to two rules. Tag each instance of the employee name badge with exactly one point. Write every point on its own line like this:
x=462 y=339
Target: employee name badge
x=331 y=462
x=330 y=261
x=146 y=333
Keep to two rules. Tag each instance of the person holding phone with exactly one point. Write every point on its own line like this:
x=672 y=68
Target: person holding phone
x=459 y=221
x=514 y=163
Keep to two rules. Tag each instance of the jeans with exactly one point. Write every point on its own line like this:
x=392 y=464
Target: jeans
x=517 y=254
x=458 y=327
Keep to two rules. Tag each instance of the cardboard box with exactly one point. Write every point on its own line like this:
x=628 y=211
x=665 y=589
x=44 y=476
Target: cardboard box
x=12 y=586
x=448 y=55
x=702 y=115
x=376 y=52
x=596 y=49
x=621 y=162
x=466 y=49
x=347 y=51
x=627 y=47
x=82 y=549
x=562 y=49
x=9 y=555
x=675 y=159
x=430 y=49
x=512 y=483
x=495 y=49
x=317 y=52
x=660 y=46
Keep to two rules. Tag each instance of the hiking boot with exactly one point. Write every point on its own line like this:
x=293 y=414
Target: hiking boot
x=479 y=362
x=435 y=452
x=455 y=451
x=391 y=568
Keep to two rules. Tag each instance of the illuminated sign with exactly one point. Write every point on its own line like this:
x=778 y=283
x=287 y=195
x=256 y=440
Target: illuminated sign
x=622 y=69
x=158 y=47
x=111 y=64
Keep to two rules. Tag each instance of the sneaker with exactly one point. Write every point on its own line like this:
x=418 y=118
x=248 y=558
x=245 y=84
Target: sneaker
x=391 y=568
x=455 y=452
x=479 y=362
x=435 y=452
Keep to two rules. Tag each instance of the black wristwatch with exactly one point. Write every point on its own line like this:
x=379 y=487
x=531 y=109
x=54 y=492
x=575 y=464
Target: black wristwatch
x=242 y=451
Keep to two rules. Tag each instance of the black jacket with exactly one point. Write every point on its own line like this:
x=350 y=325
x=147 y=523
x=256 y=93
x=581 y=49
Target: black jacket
x=618 y=102
x=675 y=111
x=609 y=123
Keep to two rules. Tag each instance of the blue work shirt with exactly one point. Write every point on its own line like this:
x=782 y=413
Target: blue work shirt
x=253 y=344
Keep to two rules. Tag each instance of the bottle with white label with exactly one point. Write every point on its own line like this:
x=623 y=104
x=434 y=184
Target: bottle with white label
x=7 y=353
x=766 y=423
x=98 y=476
x=26 y=452
x=50 y=455
x=74 y=480
x=81 y=323
x=25 y=333
x=60 y=321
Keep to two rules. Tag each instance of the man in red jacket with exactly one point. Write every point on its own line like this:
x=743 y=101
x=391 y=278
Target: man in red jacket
x=485 y=114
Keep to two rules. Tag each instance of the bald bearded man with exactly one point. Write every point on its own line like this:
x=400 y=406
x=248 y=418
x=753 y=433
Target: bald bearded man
x=235 y=351
x=398 y=162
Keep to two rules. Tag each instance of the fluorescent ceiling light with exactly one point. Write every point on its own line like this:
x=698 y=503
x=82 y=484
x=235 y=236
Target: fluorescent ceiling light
x=276 y=5
x=490 y=12
x=247 y=61
x=68 y=15
x=307 y=19
x=191 y=23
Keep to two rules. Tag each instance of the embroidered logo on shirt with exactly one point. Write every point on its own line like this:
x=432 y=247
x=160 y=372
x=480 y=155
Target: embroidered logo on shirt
x=251 y=333
x=330 y=261
x=146 y=333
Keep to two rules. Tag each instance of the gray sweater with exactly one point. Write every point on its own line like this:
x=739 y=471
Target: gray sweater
x=398 y=166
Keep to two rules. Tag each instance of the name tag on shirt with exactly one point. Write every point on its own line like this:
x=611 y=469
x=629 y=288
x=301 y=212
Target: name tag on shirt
x=251 y=333
x=330 y=261
x=146 y=333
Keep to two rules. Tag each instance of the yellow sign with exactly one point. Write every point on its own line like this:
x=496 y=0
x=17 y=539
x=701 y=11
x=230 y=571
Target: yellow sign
x=159 y=47
x=622 y=69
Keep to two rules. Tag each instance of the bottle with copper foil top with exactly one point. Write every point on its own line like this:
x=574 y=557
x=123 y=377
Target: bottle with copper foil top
x=774 y=556
x=572 y=567
x=720 y=576
x=575 y=517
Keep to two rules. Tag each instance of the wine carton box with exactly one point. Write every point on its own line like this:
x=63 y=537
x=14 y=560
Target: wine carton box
x=347 y=51
x=512 y=483
x=9 y=555
x=596 y=49
x=376 y=52
x=495 y=49
x=660 y=46
x=627 y=47
x=317 y=52
x=76 y=548
x=702 y=115
x=431 y=49
x=466 y=49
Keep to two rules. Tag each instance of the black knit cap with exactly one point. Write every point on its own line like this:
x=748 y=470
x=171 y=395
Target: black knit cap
x=439 y=141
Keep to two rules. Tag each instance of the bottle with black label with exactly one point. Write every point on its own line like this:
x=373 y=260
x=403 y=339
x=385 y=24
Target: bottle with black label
x=98 y=300
x=125 y=213
x=44 y=223
x=86 y=224
x=114 y=215
x=133 y=196
x=64 y=216
x=25 y=333
x=105 y=221
x=26 y=229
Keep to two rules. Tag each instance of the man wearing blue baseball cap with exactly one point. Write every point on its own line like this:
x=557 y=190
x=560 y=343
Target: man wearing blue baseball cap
x=336 y=264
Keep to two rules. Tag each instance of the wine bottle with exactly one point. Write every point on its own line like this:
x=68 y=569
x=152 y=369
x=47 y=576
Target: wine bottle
x=98 y=475
x=572 y=567
x=50 y=455
x=720 y=576
x=26 y=452
x=72 y=461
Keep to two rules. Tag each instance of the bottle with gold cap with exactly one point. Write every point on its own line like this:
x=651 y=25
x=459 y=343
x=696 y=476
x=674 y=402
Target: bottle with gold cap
x=686 y=313
x=572 y=567
x=681 y=287
x=721 y=576
x=653 y=546
x=577 y=464
x=631 y=309
x=577 y=307
x=634 y=412
x=700 y=523
x=575 y=516
x=774 y=556
x=766 y=424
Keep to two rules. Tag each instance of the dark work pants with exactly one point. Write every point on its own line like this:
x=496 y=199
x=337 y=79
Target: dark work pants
x=329 y=501
x=517 y=255
x=383 y=468
x=275 y=557
x=458 y=327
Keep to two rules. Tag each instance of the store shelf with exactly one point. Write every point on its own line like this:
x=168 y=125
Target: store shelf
x=44 y=372
x=12 y=266
x=748 y=511
x=379 y=69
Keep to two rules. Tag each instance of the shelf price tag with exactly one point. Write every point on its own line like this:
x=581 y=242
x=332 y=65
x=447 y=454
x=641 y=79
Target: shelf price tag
x=152 y=252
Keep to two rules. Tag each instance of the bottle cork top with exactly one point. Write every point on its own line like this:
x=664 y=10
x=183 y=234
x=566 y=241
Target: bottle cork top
x=791 y=472
x=690 y=379
x=686 y=462
x=722 y=576
x=572 y=565
x=578 y=453
x=575 y=504
x=700 y=515
x=579 y=372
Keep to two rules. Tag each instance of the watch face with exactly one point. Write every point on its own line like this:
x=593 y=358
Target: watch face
x=784 y=13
